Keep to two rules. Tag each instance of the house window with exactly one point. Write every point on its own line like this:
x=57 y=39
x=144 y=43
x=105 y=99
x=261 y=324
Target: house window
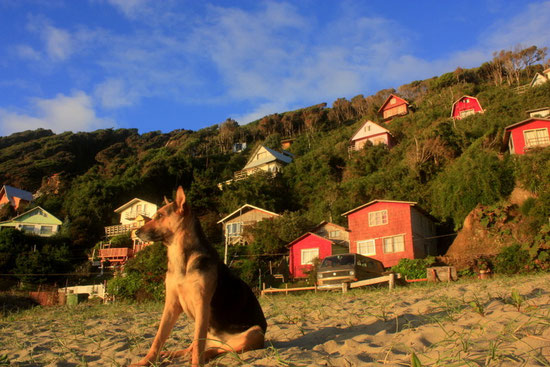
x=466 y=113
x=46 y=230
x=394 y=244
x=536 y=137
x=233 y=229
x=366 y=247
x=308 y=255
x=393 y=101
x=261 y=155
x=367 y=128
x=378 y=218
x=27 y=228
x=334 y=234
x=466 y=100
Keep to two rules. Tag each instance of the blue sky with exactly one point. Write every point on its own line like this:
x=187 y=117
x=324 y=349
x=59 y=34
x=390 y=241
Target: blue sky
x=82 y=65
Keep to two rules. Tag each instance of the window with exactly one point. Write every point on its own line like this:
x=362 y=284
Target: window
x=46 y=230
x=308 y=255
x=393 y=101
x=394 y=244
x=334 y=234
x=27 y=228
x=466 y=113
x=233 y=229
x=378 y=218
x=366 y=247
x=536 y=137
x=261 y=155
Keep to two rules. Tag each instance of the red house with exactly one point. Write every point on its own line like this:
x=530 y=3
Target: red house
x=465 y=106
x=527 y=134
x=14 y=197
x=308 y=247
x=389 y=230
x=393 y=106
x=370 y=132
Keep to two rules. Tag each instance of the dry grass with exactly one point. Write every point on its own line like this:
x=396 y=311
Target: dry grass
x=499 y=322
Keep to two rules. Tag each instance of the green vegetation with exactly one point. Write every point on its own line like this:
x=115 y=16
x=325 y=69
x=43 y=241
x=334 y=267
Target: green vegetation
x=414 y=268
x=448 y=167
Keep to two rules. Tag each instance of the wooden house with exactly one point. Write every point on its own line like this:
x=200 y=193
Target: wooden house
x=133 y=215
x=14 y=196
x=389 y=231
x=540 y=78
x=370 y=132
x=235 y=223
x=543 y=112
x=308 y=247
x=35 y=221
x=465 y=106
x=527 y=134
x=337 y=234
x=394 y=106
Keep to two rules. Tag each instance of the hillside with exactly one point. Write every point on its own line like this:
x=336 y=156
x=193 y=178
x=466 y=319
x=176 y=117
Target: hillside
x=449 y=167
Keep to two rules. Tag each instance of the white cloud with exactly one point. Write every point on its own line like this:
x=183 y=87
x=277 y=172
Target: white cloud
x=59 y=45
x=130 y=8
x=113 y=93
x=62 y=113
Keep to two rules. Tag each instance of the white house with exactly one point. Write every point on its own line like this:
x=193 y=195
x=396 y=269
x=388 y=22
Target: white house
x=134 y=208
x=370 y=132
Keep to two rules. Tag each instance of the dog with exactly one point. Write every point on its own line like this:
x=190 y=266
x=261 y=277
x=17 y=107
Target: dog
x=226 y=313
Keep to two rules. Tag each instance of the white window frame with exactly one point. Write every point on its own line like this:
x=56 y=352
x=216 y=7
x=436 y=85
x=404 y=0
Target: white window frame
x=334 y=234
x=541 y=137
x=309 y=254
x=393 y=243
x=46 y=230
x=468 y=112
x=234 y=229
x=28 y=228
x=368 y=243
x=374 y=220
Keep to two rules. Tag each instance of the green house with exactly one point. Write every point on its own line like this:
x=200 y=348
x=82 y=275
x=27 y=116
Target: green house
x=35 y=221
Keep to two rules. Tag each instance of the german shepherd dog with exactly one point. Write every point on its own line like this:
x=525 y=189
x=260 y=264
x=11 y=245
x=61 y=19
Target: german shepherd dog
x=227 y=315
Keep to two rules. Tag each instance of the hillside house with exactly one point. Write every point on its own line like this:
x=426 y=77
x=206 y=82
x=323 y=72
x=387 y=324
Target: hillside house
x=394 y=106
x=235 y=223
x=14 y=196
x=543 y=112
x=308 y=247
x=261 y=159
x=337 y=234
x=540 y=78
x=35 y=221
x=465 y=106
x=133 y=215
x=370 y=132
x=389 y=231
x=527 y=134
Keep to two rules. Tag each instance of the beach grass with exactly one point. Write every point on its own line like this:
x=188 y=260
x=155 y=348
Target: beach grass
x=504 y=321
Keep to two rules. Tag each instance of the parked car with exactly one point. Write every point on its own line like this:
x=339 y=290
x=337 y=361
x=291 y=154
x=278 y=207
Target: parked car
x=337 y=269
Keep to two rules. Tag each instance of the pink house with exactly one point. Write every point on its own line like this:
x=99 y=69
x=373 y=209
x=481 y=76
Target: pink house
x=465 y=106
x=14 y=197
x=393 y=106
x=308 y=247
x=370 y=132
x=527 y=134
x=389 y=231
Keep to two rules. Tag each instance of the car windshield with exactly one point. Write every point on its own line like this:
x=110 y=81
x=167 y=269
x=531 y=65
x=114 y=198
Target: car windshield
x=338 y=260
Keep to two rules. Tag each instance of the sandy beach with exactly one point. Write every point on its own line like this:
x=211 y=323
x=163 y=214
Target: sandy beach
x=499 y=322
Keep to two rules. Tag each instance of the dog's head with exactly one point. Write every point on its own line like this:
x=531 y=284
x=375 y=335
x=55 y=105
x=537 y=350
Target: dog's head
x=166 y=221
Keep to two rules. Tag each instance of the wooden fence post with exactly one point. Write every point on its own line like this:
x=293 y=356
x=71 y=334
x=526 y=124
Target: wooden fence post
x=345 y=287
x=392 y=280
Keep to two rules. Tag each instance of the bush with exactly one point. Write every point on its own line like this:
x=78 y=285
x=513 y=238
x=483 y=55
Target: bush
x=143 y=276
x=414 y=268
x=511 y=260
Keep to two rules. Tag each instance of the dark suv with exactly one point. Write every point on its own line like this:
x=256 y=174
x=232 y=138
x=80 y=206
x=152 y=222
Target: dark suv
x=337 y=269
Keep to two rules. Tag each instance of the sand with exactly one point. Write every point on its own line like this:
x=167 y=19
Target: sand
x=465 y=323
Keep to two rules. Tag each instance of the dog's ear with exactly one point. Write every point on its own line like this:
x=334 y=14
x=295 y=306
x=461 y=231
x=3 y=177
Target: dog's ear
x=180 y=199
x=166 y=201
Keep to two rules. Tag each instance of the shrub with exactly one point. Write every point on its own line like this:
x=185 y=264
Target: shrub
x=414 y=268
x=511 y=260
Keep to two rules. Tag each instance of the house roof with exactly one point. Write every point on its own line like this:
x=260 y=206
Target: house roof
x=539 y=75
x=388 y=99
x=326 y=222
x=249 y=207
x=537 y=109
x=274 y=155
x=363 y=125
x=12 y=192
x=411 y=203
x=308 y=234
x=51 y=219
x=130 y=203
x=460 y=99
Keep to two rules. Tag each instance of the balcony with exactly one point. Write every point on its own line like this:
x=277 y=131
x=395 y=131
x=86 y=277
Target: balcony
x=112 y=231
x=131 y=215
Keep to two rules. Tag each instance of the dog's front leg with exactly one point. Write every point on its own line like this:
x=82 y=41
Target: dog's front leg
x=204 y=290
x=170 y=314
